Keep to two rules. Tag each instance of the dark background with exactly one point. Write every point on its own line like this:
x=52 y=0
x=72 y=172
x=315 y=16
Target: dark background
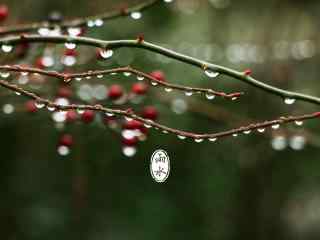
x=261 y=186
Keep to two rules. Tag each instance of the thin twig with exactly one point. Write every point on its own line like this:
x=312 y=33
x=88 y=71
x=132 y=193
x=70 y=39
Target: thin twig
x=153 y=81
x=242 y=76
x=149 y=123
x=79 y=22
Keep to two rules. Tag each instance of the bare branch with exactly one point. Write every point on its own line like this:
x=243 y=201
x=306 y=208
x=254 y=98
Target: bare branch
x=149 y=123
x=140 y=75
x=79 y=22
x=205 y=66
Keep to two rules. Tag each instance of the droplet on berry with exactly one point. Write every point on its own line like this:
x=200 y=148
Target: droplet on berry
x=70 y=45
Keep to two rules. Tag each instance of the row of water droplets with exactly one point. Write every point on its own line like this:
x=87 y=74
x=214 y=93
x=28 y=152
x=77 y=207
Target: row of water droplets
x=236 y=134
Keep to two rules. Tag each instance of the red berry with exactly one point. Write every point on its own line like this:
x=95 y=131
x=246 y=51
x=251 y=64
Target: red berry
x=88 y=116
x=159 y=75
x=150 y=112
x=71 y=116
x=22 y=49
x=40 y=63
x=130 y=141
x=247 y=72
x=31 y=106
x=133 y=125
x=98 y=54
x=139 y=88
x=64 y=92
x=70 y=52
x=66 y=140
x=115 y=91
x=4 y=12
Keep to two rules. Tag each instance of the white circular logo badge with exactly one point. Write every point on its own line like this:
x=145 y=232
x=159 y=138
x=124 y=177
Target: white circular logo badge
x=160 y=166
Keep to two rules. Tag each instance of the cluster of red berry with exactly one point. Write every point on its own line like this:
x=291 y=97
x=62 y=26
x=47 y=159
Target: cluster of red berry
x=132 y=131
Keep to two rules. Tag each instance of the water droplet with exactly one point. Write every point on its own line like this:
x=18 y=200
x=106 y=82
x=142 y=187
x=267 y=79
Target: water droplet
x=128 y=134
x=18 y=93
x=261 y=130
x=113 y=73
x=4 y=74
x=235 y=135
x=128 y=118
x=297 y=142
x=198 y=140
x=182 y=137
x=48 y=61
x=127 y=74
x=51 y=108
x=78 y=79
x=168 y=89
x=24 y=73
x=44 y=31
x=88 y=77
x=212 y=139
x=210 y=96
x=140 y=78
x=80 y=111
x=63 y=150
x=39 y=105
x=100 y=76
x=70 y=45
x=90 y=23
x=298 y=123
x=6 y=48
x=106 y=53
x=164 y=131
x=289 y=101
x=275 y=126
x=153 y=83
x=211 y=74
x=109 y=114
x=188 y=93
x=74 y=31
x=8 y=108
x=136 y=15
x=279 y=143
x=148 y=125
x=234 y=98
x=98 y=22
x=168 y=1
x=129 y=151
x=247 y=131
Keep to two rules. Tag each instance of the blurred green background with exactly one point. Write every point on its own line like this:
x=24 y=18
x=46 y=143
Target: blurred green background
x=261 y=186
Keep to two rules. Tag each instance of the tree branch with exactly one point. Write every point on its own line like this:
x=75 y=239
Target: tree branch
x=205 y=66
x=149 y=123
x=153 y=81
x=79 y=22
